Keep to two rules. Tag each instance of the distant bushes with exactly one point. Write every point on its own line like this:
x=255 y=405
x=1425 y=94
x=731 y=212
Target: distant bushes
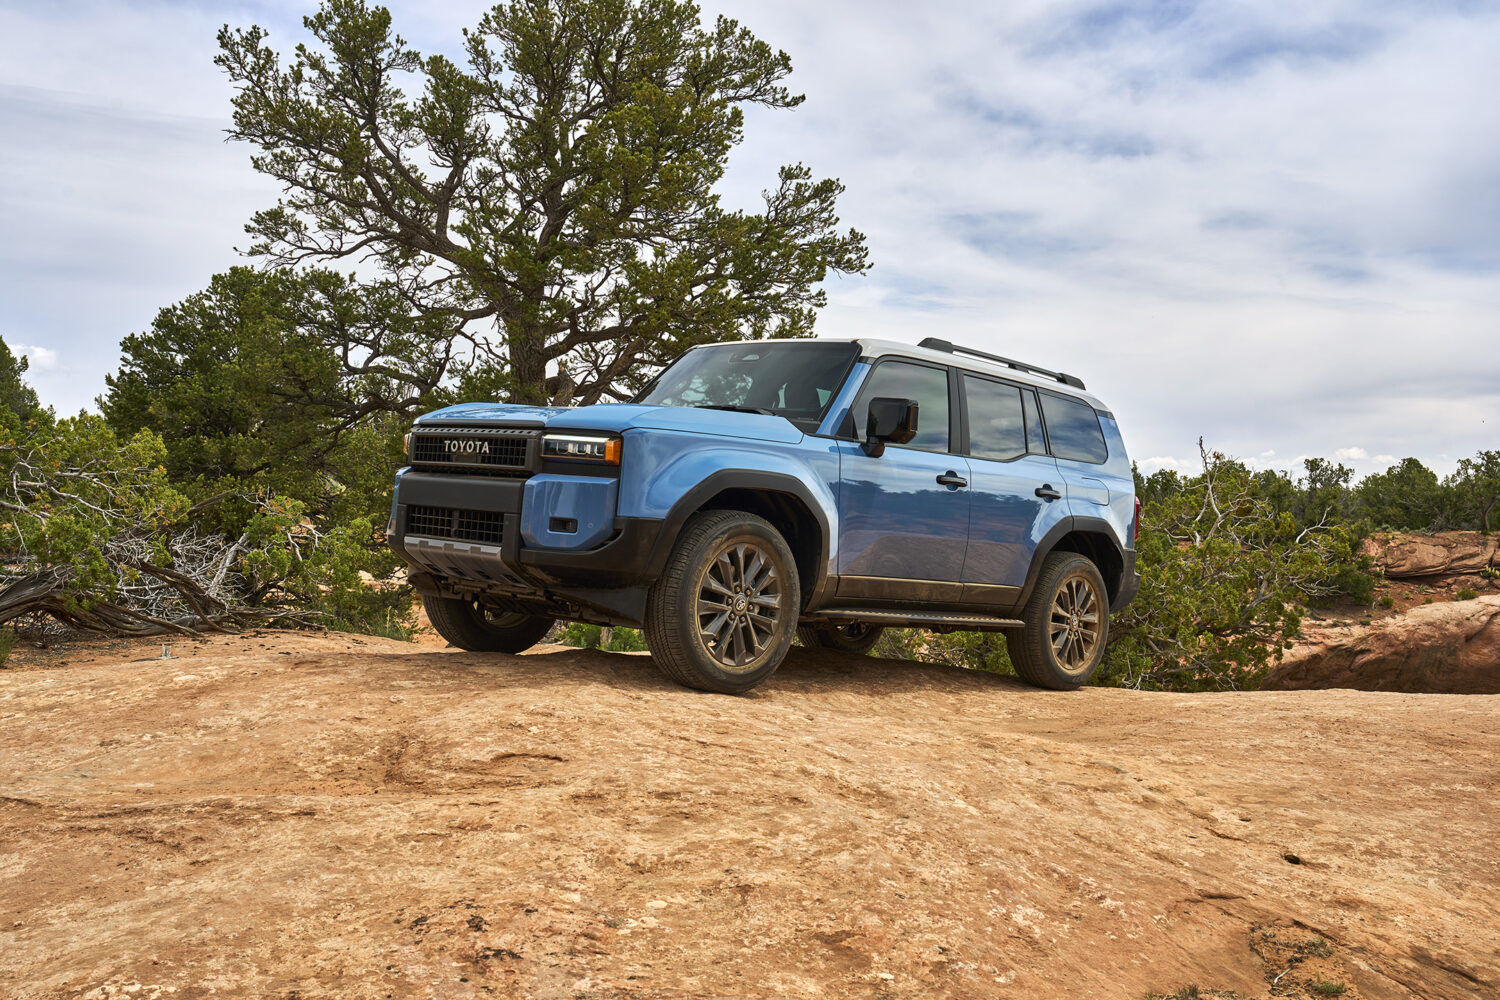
x=615 y=640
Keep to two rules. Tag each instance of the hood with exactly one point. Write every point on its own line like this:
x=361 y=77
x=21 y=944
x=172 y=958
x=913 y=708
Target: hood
x=618 y=418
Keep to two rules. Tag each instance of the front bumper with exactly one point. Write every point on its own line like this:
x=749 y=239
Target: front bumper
x=490 y=546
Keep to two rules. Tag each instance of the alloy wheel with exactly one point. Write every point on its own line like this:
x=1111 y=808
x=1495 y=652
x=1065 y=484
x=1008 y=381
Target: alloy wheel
x=739 y=604
x=1074 y=623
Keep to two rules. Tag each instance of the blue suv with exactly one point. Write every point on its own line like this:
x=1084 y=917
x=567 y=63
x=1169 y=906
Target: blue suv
x=756 y=492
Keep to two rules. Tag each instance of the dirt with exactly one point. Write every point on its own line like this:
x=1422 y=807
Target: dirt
x=308 y=816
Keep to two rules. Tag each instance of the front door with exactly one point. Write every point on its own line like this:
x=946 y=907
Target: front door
x=904 y=517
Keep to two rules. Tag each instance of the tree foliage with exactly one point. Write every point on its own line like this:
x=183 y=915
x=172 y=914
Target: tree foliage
x=18 y=402
x=1477 y=485
x=1224 y=577
x=252 y=385
x=551 y=200
x=1407 y=496
x=96 y=536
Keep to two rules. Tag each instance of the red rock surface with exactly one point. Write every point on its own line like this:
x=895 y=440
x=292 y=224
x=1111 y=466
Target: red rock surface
x=336 y=817
x=1451 y=648
x=1447 y=553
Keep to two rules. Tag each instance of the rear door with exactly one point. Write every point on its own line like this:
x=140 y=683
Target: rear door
x=1078 y=445
x=1017 y=491
x=904 y=517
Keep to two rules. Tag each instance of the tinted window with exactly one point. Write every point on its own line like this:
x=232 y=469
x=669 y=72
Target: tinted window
x=928 y=386
x=997 y=427
x=1073 y=429
x=1036 y=443
x=792 y=380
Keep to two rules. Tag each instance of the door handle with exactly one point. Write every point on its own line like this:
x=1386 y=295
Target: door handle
x=951 y=478
x=1046 y=492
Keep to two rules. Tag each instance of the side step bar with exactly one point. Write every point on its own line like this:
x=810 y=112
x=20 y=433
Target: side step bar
x=915 y=619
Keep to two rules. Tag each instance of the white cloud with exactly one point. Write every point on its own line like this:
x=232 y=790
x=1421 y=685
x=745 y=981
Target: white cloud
x=1351 y=453
x=39 y=358
x=1276 y=227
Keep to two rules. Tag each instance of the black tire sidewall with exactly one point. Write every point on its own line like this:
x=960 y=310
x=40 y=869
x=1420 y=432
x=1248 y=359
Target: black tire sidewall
x=466 y=627
x=1033 y=656
x=674 y=603
x=829 y=637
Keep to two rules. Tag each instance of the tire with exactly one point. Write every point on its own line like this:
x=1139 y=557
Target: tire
x=858 y=637
x=469 y=625
x=1067 y=581
x=718 y=619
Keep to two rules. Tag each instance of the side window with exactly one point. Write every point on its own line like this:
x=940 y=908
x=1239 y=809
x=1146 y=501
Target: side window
x=928 y=386
x=997 y=427
x=1036 y=441
x=1073 y=429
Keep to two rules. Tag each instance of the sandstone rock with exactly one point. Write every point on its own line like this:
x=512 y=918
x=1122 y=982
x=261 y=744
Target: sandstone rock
x=1451 y=648
x=1446 y=552
x=499 y=829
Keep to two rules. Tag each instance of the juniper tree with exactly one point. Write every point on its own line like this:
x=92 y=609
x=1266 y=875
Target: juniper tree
x=550 y=195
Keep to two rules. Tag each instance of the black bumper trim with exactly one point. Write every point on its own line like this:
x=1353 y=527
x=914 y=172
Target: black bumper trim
x=624 y=560
x=465 y=492
x=1130 y=583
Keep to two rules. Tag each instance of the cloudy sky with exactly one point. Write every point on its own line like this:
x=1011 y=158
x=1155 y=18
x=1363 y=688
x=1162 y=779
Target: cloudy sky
x=1273 y=225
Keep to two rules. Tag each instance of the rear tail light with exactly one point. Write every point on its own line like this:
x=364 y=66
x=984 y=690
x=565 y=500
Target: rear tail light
x=1135 y=523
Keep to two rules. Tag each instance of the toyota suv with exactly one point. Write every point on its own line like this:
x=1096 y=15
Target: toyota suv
x=763 y=491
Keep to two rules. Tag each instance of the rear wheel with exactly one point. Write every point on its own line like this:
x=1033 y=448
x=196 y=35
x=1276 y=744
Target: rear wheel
x=856 y=637
x=723 y=614
x=1067 y=625
x=471 y=625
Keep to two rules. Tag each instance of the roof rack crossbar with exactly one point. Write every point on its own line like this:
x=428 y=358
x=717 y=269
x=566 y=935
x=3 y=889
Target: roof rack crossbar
x=937 y=344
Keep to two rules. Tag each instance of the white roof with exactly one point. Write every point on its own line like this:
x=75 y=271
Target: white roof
x=881 y=348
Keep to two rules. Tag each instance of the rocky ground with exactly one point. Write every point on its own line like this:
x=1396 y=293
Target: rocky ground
x=1434 y=625
x=304 y=816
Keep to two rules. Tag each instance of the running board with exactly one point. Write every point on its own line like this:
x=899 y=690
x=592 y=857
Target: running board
x=917 y=619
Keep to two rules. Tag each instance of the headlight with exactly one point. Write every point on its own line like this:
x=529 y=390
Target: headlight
x=582 y=448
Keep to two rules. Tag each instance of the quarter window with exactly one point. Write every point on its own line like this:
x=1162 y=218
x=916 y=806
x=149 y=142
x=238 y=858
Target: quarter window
x=1036 y=441
x=997 y=428
x=928 y=386
x=1073 y=428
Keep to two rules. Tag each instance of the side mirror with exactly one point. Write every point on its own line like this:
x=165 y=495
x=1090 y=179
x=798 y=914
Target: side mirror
x=890 y=419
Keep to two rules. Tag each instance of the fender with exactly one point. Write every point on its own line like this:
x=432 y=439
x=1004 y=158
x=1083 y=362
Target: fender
x=745 y=479
x=1063 y=528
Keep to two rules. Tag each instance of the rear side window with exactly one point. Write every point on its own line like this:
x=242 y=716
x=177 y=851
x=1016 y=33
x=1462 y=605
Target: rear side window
x=997 y=423
x=1073 y=428
x=928 y=386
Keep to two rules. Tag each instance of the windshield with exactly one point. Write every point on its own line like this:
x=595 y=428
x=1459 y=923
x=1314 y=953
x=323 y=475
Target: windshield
x=792 y=379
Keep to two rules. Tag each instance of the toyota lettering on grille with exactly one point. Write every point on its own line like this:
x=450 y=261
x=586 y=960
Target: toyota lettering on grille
x=465 y=447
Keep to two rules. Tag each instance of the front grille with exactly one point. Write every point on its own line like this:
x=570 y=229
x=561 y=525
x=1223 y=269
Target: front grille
x=490 y=451
x=484 y=526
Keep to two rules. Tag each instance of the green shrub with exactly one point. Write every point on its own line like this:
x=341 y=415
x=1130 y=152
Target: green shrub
x=7 y=643
x=1224 y=575
x=585 y=636
x=1466 y=594
x=970 y=650
x=1387 y=601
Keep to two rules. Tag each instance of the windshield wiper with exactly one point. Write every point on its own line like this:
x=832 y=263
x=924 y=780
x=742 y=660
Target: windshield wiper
x=734 y=409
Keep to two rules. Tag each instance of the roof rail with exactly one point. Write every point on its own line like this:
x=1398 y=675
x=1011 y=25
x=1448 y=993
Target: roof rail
x=935 y=344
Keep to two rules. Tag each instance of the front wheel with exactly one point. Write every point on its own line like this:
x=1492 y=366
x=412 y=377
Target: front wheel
x=1067 y=625
x=724 y=612
x=470 y=625
x=856 y=637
